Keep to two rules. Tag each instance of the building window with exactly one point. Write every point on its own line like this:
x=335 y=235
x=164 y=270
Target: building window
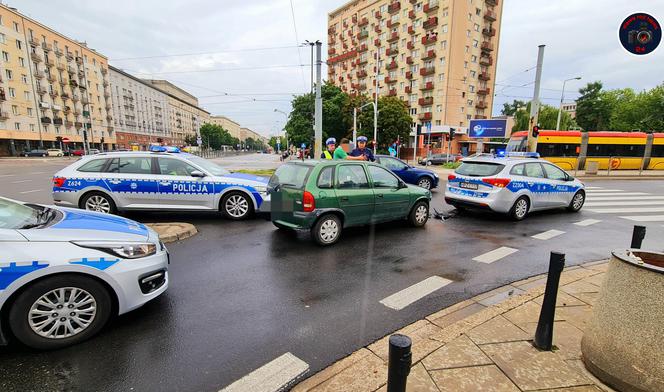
x=438 y=122
x=15 y=29
x=19 y=44
x=446 y=12
x=473 y=59
x=21 y=62
x=443 y=44
x=5 y=56
x=478 y=11
x=465 y=64
x=32 y=127
x=462 y=109
x=26 y=95
x=467 y=33
x=476 y=43
x=470 y=16
x=12 y=92
x=476 y=27
x=472 y=74
x=467 y=49
x=413 y=111
x=9 y=74
x=439 y=108
x=29 y=111
x=15 y=110
x=17 y=126
x=444 y=28
x=2 y=38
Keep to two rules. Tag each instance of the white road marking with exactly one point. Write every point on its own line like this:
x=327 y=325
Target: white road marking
x=593 y=187
x=603 y=190
x=20 y=181
x=37 y=173
x=32 y=191
x=407 y=296
x=645 y=218
x=495 y=255
x=587 y=222
x=547 y=235
x=628 y=198
x=7 y=175
x=593 y=195
x=275 y=375
x=624 y=203
x=625 y=210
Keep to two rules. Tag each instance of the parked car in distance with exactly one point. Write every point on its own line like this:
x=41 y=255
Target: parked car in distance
x=324 y=197
x=424 y=178
x=93 y=151
x=439 y=159
x=35 y=153
x=55 y=152
x=78 y=153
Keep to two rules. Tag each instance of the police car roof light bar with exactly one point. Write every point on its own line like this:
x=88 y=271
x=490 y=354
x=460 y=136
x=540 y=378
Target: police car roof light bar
x=535 y=155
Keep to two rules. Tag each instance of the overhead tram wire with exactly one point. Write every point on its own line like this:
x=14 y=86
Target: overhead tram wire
x=221 y=69
x=204 y=53
x=297 y=41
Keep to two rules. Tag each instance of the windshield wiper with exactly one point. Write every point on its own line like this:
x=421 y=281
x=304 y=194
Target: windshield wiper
x=43 y=217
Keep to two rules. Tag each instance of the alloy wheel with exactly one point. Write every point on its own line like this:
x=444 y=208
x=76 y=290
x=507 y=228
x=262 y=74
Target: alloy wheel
x=521 y=208
x=98 y=203
x=424 y=183
x=421 y=214
x=237 y=206
x=578 y=200
x=62 y=313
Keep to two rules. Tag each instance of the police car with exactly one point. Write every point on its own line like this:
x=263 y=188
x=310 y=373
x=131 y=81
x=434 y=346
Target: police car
x=64 y=272
x=162 y=179
x=515 y=184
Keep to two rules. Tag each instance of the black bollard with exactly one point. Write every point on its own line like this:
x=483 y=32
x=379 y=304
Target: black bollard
x=544 y=333
x=638 y=235
x=400 y=359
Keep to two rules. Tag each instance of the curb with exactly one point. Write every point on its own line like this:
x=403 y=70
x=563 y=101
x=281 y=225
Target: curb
x=586 y=178
x=173 y=231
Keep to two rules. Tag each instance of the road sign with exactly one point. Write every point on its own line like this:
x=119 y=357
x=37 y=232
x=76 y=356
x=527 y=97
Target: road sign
x=303 y=145
x=65 y=140
x=488 y=128
x=199 y=141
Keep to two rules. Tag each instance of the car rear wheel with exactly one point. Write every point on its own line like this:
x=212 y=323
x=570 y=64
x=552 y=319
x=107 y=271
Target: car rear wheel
x=419 y=215
x=60 y=311
x=577 y=201
x=98 y=202
x=520 y=208
x=424 y=182
x=236 y=206
x=327 y=230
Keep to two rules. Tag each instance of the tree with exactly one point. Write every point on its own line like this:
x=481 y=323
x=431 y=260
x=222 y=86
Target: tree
x=273 y=142
x=593 y=108
x=190 y=140
x=509 y=109
x=394 y=121
x=548 y=116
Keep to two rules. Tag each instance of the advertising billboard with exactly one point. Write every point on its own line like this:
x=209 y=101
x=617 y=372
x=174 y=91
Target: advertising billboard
x=488 y=128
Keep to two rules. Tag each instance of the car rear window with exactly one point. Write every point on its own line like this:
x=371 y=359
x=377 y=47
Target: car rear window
x=94 y=166
x=290 y=175
x=479 y=169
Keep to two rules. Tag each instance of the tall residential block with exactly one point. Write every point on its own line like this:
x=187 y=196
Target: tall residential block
x=51 y=87
x=438 y=56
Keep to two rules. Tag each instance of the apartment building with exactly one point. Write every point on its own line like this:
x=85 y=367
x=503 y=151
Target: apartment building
x=438 y=56
x=51 y=87
x=231 y=126
x=246 y=133
x=570 y=108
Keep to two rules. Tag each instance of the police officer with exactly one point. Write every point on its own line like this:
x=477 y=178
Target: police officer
x=331 y=145
x=362 y=150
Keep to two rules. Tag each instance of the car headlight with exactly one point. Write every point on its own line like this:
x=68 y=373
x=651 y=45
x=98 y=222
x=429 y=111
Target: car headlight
x=261 y=189
x=133 y=250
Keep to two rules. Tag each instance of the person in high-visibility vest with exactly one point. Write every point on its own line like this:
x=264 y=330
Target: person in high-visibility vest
x=329 y=153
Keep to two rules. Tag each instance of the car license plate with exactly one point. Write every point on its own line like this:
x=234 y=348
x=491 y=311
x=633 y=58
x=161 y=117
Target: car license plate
x=468 y=185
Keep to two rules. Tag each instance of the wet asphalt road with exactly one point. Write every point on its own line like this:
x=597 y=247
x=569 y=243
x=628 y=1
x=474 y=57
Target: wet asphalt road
x=243 y=293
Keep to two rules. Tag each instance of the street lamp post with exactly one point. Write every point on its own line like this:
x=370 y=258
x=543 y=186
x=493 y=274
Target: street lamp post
x=285 y=114
x=562 y=97
x=355 y=120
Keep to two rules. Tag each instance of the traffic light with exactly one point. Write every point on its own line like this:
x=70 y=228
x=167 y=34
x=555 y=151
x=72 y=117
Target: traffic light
x=452 y=132
x=536 y=131
x=102 y=140
x=419 y=129
x=85 y=135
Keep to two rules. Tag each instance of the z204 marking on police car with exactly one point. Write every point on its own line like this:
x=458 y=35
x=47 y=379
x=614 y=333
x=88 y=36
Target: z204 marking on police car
x=15 y=270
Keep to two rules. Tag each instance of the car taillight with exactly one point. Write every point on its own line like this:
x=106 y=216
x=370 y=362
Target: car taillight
x=450 y=177
x=308 y=202
x=58 y=182
x=497 y=182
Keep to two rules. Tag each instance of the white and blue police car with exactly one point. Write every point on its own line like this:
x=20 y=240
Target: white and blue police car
x=163 y=179
x=514 y=184
x=64 y=272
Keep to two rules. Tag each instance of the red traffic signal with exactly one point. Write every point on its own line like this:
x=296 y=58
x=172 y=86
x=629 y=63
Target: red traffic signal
x=536 y=131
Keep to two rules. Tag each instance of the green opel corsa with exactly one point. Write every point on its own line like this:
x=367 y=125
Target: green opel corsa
x=326 y=196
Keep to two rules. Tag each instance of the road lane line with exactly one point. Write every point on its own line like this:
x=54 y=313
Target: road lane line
x=625 y=210
x=603 y=190
x=592 y=195
x=624 y=203
x=645 y=218
x=628 y=198
x=37 y=173
x=275 y=375
x=20 y=181
x=547 y=235
x=494 y=255
x=407 y=296
x=593 y=187
x=587 y=222
x=32 y=191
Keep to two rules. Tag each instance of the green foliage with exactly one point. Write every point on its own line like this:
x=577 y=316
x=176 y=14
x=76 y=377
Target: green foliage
x=594 y=108
x=273 y=142
x=509 y=109
x=548 y=115
x=214 y=136
x=393 y=121
x=254 y=144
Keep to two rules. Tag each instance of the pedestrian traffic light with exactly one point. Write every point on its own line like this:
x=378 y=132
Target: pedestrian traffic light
x=452 y=132
x=536 y=131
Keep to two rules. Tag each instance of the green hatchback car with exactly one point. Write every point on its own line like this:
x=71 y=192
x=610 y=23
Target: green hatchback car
x=327 y=196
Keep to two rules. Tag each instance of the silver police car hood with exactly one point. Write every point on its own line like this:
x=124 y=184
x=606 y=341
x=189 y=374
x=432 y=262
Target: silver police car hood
x=81 y=225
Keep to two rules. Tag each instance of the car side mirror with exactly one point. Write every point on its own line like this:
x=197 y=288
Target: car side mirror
x=402 y=185
x=197 y=173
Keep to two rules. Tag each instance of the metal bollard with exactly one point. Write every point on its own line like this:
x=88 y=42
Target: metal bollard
x=400 y=359
x=638 y=235
x=544 y=333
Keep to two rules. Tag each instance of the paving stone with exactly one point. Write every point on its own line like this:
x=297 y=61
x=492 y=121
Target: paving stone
x=532 y=369
x=501 y=295
x=570 y=275
x=332 y=370
x=498 y=329
x=365 y=375
x=528 y=312
x=461 y=352
x=580 y=287
x=423 y=335
x=419 y=380
x=588 y=298
x=601 y=265
x=584 y=388
x=597 y=279
x=579 y=316
x=566 y=337
x=541 y=282
x=530 y=280
x=460 y=314
x=473 y=379
x=563 y=299
x=581 y=368
x=450 y=309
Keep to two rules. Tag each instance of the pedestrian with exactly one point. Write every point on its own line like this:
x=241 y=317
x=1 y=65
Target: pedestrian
x=392 y=150
x=362 y=151
x=341 y=154
x=330 y=144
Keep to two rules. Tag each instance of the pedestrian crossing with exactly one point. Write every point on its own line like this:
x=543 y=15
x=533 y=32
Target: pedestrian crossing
x=632 y=206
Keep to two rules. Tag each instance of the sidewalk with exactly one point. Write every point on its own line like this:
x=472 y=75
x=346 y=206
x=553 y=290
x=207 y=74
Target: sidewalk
x=484 y=344
x=619 y=175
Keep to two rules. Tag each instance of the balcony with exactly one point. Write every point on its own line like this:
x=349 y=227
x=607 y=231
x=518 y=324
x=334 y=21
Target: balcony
x=483 y=76
x=409 y=75
x=410 y=45
x=47 y=47
x=430 y=23
x=431 y=6
x=490 y=16
x=69 y=56
x=46 y=120
x=58 y=52
x=4 y=116
x=427 y=86
x=75 y=97
x=408 y=90
x=490 y=32
x=344 y=45
x=361 y=74
x=484 y=91
x=331 y=51
x=53 y=93
x=411 y=14
x=36 y=57
x=394 y=7
x=363 y=48
x=79 y=60
x=391 y=51
x=363 y=22
x=61 y=66
x=85 y=101
x=57 y=121
x=51 y=78
x=42 y=91
x=426 y=101
x=426 y=116
x=487 y=46
x=486 y=60
x=362 y=60
x=427 y=71
x=480 y=105
x=78 y=124
x=39 y=74
x=392 y=65
x=362 y=34
x=109 y=106
x=331 y=30
x=390 y=80
x=3 y=96
x=67 y=110
x=411 y=30
x=377 y=29
x=392 y=92
x=409 y=60
x=69 y=124
x=393 y=37
x=377 y=42
x=392 y=23
x=34 y=42
x=105 y=83
x=429 y=39
x=50 y=62
x=378 y=15
x=104 y=71
x=428 y=55
x=492 y=2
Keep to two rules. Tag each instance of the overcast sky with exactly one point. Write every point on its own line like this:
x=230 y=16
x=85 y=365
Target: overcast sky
x=247 y=64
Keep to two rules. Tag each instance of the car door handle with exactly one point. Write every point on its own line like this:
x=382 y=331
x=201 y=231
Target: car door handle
x=165 y=183
x=380 y=195
x=344 y=198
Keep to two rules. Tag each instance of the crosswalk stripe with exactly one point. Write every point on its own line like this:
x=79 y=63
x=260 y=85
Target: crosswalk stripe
x=626 y=203
x=645 y=218
x=547 y=235
x=494 y=255
x=616 y=194
x=623 y=210
x=587 y=222
x=627 y=198
x=603 y=190
x=407 y=296
x=275 y=375
x=594 y=187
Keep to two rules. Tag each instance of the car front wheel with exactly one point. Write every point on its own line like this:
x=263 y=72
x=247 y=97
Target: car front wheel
x=419 y=215
x=236 y=206
x=424 y=182
x=577 y=202
x=327 y=230
x=520 y=208
x=98 y=202
x=60 y=311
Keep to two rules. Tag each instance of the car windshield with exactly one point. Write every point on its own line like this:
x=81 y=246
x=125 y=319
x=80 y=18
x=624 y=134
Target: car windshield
x=16 y=216
x=209 y=166
x=479 y=169
x=291 y=176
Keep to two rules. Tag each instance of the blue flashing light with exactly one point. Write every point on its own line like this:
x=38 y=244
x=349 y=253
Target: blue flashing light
x=172 y=149
x=524 y=154
x=500 y=153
